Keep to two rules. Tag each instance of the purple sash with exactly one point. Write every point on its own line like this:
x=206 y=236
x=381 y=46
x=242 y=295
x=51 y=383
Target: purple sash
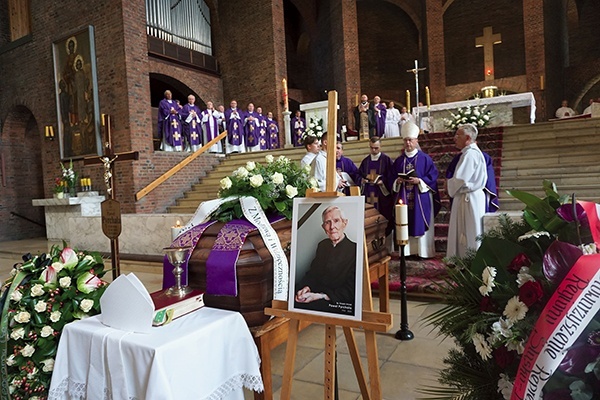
x=189 y=238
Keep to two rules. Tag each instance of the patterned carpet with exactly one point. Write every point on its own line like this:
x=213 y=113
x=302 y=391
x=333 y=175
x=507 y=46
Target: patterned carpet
x=423 y=276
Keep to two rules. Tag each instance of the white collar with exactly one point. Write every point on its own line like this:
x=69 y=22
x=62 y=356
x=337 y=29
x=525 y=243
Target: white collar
x=411 y=153
x=375 y=157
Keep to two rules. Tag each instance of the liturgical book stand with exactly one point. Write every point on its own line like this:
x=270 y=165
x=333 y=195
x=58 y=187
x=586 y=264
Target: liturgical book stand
x=371 y=321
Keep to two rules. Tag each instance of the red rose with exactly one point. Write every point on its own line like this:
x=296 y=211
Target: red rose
x=530 y=293
x=487 y=304
x=503 y=357
x=520 y=260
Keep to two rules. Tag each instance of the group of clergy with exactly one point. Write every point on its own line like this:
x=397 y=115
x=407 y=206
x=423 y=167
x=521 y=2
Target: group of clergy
x=187 y=128
x=378 y=119
x=413 y=179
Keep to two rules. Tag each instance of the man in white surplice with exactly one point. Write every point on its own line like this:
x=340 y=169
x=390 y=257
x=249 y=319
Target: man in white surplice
x=466 y=188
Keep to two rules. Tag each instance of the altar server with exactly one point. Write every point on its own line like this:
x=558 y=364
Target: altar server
x=419 y=191
x=466 y=187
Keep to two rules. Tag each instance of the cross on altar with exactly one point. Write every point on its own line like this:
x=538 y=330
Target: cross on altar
x=111 y=209
x=415 y=71
x=487 y=41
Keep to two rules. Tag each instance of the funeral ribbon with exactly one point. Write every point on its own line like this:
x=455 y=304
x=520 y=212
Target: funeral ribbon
x=568 y=312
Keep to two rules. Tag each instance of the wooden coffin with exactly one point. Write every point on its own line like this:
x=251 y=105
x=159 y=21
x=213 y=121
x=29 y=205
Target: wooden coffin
x=255 y=265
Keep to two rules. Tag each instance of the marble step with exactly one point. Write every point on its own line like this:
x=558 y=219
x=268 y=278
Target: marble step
x=572 y=179
x=515 y=170
x=582 y=155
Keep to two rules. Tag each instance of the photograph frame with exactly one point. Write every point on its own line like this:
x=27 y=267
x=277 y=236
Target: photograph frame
x=76 y=92
x=309 y=242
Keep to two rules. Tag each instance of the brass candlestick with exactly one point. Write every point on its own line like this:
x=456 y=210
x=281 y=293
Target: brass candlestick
x=178 y=256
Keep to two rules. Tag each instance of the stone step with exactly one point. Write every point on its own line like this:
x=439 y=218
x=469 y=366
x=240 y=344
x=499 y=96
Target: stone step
x=568 y=179
x=581 y=155
x=517 y=170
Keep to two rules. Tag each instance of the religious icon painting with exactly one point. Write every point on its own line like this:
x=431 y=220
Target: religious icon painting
x=77 y=104
x=326 y=264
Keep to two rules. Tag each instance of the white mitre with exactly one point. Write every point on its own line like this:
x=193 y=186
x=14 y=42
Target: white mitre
x=410 y=130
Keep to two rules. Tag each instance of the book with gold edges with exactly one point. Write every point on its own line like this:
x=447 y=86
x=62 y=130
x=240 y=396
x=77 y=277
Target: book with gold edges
x=168 y=308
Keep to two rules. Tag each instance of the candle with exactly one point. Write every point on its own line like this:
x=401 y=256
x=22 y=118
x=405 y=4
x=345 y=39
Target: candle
x=401 y=221
x=285 y=95
x=175 y=230
x=427 y=98
x=541 y=82
x=404 y=233
x=408 y=100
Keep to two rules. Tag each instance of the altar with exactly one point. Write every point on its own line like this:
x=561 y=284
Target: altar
x=502 y=107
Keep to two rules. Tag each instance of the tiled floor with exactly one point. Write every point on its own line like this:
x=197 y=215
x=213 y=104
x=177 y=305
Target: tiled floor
x=404 y=366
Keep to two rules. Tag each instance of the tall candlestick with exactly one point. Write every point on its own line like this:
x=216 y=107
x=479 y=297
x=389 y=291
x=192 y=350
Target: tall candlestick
x=408 y=100
x=285 y=95
x=427 y=98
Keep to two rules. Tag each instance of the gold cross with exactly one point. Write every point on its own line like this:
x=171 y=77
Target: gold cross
x=174 y=124
x=373 y=199
x=487 y=41
x=176 y=135
x=194 y=123
x=372 y=176
x=194 y=135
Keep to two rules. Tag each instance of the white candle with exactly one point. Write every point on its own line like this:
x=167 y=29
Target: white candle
x=404 y=233
x=175 y=230
x=401 y=221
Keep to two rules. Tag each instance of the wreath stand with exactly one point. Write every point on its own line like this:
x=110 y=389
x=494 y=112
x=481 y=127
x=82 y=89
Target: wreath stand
x=371 y=321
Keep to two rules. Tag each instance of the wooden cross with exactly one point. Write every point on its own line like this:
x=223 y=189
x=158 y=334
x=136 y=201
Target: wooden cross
x=111 y=209
x=487 y=41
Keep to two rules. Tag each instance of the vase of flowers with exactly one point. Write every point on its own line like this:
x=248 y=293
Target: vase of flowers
x=477 y=115
x=69 y=176
x=58 y=188
x=500 y=297
x=314 y=128
x=43 y=294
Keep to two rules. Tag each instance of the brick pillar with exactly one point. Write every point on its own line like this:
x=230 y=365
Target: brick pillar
x=346 y=69
x=436 y=54
x=535 y=56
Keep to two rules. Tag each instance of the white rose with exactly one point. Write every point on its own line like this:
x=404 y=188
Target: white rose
x=16 y=296
x=65 y=281
x=250 y=165
x=37 y=290
x=40 y=306
x=17 y=334
x=241 y=172
x=48 y=365
x=256 y=180
x=55 y=316
x=311 y=125
x=28 y=350
x=269 y=158
x=486 y=117
x=291 y=191
x=22 y=317
x=57 y=266
x=86 y=305
x=225 y=183
x=313 y=182
x=283 y=159
x=10 y=360
x=47 y=331
x=277 y=178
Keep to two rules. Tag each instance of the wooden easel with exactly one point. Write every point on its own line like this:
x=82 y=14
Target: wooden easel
x=371 y=321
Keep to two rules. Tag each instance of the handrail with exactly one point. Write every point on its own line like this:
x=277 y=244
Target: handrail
x=158 y=181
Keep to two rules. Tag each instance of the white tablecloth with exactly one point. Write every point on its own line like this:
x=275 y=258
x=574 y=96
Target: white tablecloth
x=515 y=100
x=208 y=354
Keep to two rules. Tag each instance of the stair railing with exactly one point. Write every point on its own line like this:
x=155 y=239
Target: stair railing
x=161 y=179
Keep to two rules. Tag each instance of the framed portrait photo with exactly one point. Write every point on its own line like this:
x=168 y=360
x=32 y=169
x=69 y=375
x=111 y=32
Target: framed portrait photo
x=77 y=106
x=326 y=263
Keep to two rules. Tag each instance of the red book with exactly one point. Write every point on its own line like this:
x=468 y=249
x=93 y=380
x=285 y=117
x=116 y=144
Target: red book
x=168 y=308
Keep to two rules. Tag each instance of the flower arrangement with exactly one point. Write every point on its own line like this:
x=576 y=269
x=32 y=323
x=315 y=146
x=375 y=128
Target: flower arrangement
x=69 y=176
x=274 y=184
x=496 y=296
x=43 y=294
x=315 y=128
x=59 y=186
x=479 y=116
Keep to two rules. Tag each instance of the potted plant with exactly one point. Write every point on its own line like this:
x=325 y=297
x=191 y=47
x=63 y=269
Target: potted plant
x=59 y=188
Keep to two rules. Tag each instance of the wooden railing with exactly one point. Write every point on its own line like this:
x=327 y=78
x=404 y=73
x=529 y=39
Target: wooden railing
x=161 y=179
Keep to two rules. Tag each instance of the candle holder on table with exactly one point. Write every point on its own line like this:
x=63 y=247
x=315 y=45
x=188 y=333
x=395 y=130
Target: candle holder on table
x=402 y=239
x=178 y=256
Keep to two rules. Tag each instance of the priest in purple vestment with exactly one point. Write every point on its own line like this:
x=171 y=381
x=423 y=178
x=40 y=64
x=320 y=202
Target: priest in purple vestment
x=169 y=124
x=235 y=129
x=380 y=114
x=419 y=191
x=298 y=127
x=492 y=204
x=263 y=139
x=251 y=126
x=210 y=127
x=376 y=173
x=364 y=118
x=272 y=131
x=346 y=170
x=190 y=114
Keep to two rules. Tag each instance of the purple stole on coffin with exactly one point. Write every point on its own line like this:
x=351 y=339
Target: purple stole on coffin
x=273 y=133
x=221 y=273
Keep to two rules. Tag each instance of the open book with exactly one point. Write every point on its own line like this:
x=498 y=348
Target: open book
x=410 y=174
x=168 y=308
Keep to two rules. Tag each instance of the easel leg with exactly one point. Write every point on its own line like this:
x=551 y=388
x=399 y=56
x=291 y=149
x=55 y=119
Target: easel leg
x=329 y=362
x=114 y=252
x=265 y=370
x=290 y=359
x=355 y=357
x=373 y=361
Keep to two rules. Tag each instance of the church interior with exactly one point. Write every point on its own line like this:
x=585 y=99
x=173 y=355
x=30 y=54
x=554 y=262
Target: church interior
x=116 y=58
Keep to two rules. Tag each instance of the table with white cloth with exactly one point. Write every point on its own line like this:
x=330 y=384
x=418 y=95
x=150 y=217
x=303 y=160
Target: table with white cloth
x=207 y=354
x=501 y=107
